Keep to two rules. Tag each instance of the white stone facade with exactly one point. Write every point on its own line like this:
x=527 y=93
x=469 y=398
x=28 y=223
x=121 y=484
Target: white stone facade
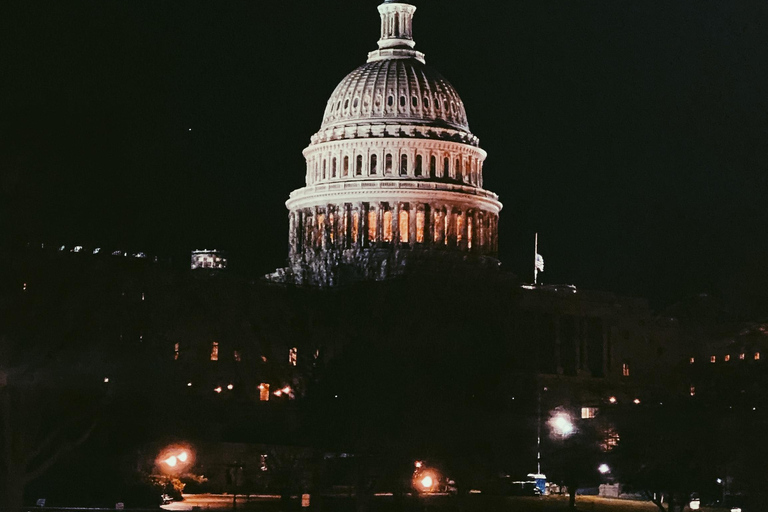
x=393 y=175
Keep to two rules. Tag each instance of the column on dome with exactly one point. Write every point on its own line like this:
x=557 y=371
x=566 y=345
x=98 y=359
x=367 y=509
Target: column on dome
x=293 y=239
x=462 y=228
x=394 y=223
x=379 y=222
x=470 y=230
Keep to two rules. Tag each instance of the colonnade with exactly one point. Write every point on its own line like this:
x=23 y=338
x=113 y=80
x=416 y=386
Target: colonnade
x=407 y=224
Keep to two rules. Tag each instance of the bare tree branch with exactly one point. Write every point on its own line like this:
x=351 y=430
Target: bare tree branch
x=61 y=450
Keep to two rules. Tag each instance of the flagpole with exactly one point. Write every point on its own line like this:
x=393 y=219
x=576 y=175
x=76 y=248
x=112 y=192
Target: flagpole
x=535 y=252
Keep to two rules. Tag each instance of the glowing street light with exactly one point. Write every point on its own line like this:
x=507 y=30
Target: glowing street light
x=562 y=424
x=171 y=461
x=182 y=456
x=603 y=468
x=426 y=482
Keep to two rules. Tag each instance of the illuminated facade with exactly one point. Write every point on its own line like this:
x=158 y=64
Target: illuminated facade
x=394 y=175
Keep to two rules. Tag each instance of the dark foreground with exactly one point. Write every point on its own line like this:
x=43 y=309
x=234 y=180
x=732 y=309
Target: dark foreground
x=472 y=503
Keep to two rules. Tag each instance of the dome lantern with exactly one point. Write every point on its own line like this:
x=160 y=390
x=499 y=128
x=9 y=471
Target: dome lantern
x=396 y=37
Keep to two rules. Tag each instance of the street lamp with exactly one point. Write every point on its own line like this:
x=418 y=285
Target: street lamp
x=561 y=424
x=603 y=469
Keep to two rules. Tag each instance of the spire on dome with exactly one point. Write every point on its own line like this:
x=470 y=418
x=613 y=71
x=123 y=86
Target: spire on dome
x=396 y=39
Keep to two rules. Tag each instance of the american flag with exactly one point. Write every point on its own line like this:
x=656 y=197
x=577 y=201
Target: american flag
x=539 y=263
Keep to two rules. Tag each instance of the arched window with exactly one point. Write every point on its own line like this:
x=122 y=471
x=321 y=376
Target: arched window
x=324 y=166
x=446 y=167
x=404 y=225
x=333 y=167
x=355 y=226
x=458 y=169
x=387 y=225
x=397 y=25
x=345 y=169
x=414 y=101
x=359 y=165
x=390 y=100
x=420 y=226
x=402 y=100
x=432 y=166
x=354 y=103
x=403 y=165
x=470 y=219
x=388 y=164
x=372 y=224
x=417 y=169
x=373 y=169
x=426 y=102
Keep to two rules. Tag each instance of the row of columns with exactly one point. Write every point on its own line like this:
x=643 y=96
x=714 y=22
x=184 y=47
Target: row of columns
x=364 y=224
x=320 y=168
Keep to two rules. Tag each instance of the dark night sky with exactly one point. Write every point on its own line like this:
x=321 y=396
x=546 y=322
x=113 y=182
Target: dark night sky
x=632 y=135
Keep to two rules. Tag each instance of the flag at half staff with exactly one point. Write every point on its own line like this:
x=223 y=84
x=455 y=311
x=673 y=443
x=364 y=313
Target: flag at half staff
x=539 y=263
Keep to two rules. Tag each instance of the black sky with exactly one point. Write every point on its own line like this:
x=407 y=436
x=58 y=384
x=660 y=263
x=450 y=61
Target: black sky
x=632 y=135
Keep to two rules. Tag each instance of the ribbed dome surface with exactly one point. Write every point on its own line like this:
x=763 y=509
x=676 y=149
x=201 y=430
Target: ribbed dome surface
x=395 y=90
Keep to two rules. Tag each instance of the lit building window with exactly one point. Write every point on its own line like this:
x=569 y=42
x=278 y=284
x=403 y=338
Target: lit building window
x=263 y=462
x=447 y=226
x=692 y=360
x=355 y=225
x=215 y=351
x=237 y=356
x=387 y=227
x=264 y=392
x=741 y=356
x=292 y=356
x=713 y=359
x=625 y=369
x=404 y=225
x=588 y=412
x=459 y=227
x=757 y=356
x=372 y=219
x=419 y=226
x=727 y=357
x=469 y=233
x=176 y=351
x=693 y=390
x=332 y=225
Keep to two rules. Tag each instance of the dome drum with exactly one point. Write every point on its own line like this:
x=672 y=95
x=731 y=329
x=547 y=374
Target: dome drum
x=388 y=158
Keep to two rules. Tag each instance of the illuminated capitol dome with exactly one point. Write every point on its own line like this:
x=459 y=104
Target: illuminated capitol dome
x=394 y=177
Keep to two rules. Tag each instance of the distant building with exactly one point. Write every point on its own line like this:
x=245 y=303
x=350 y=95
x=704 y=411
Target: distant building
x=206 y=258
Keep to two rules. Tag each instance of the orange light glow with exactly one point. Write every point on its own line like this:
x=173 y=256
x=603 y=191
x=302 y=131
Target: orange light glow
x=426 y=482
x=183 y=456
x=171 y=461
x=217 y=389
x=636 y=400
x=612 y=399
